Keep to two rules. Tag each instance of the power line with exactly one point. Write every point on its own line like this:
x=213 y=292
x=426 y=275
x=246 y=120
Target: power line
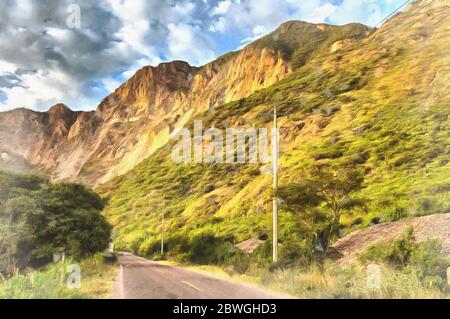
x=394 y=12
x=361 y=37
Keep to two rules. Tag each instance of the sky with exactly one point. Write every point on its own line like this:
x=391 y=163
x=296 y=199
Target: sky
x=78 y=51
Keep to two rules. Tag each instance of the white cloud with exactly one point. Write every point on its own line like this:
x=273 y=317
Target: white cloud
x=58 y=34
x=51 y=86
x=218 y=25
x=111 y=84
x=320 y=14
x=135 y=24
x=7 y=68
x=222 y=7
x=185 y=43
x=259 y=29
x=366 y=11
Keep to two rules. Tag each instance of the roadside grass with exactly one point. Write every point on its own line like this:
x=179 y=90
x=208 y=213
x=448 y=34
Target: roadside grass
x=403 y=269
x=97 y=277
x=333 y=281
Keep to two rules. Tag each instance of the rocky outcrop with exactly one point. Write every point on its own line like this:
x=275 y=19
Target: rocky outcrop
x=425 y=228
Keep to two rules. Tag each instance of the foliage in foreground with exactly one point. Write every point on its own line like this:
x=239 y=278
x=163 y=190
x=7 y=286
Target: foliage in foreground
x=97 y=275
x=350 y=281
x=407 y=270
x=406 y=254
x=38 y=219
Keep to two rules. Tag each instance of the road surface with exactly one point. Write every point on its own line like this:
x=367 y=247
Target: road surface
x=140 y=278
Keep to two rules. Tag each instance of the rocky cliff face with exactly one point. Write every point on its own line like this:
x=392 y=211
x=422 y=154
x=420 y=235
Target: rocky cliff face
x=137 y=119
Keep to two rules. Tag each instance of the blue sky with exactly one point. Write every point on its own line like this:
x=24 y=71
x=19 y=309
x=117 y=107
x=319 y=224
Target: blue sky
x=47 y=57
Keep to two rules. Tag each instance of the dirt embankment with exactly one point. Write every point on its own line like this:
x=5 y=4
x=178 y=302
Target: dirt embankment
x=427 y=227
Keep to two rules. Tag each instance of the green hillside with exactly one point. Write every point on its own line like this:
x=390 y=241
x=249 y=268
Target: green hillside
x=378 y=107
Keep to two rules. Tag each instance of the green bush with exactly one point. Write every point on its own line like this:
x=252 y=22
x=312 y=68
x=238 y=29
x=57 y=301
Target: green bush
x=397 y=254
x=38 y=219
x=427 y=258
x=205 y=248
x=295 y=253
x=423 y=259
x=239 y=262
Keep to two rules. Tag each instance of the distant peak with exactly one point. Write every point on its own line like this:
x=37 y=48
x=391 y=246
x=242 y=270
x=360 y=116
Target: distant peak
x=174 y=62
x=293 y=22
x=59 y=108
x=164 y=67
x=286 y=26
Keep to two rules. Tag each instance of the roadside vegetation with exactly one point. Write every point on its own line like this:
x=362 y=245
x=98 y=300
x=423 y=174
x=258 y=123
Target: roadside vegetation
x=407 y=269
x=50 y=282
x=40 y=220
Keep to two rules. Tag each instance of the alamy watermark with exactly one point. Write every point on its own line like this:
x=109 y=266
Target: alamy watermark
x=74 y=19
x=237 y=145
x=73 y=276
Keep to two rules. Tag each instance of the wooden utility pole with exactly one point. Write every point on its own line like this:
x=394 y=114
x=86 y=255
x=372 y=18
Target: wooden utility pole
x=162 y=232
x=275 y=154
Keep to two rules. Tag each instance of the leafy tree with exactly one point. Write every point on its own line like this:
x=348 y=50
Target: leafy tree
x=321 y=200
x=38 y=218
x=15 y=233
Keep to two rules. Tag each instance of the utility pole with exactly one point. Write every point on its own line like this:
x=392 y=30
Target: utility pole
x=162 y=232
x=275 y=153
x=275 y=160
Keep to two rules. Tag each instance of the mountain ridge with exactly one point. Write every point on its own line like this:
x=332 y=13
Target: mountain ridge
x=137 y=118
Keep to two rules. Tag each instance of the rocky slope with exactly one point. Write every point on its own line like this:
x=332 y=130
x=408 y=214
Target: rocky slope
x=137 y=119
x=379 y=105
x=425 y=228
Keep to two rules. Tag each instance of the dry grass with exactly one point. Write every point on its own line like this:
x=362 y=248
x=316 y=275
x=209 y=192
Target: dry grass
x=99 y=278
x=333 y=281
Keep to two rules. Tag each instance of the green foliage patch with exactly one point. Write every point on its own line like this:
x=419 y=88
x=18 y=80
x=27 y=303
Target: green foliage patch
x=38 y=219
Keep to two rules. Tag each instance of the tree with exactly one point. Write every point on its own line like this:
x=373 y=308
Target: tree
x=321 y=200
x=38 y=218
x=15 y=233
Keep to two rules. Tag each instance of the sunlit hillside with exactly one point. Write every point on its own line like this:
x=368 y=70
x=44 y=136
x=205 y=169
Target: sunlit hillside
x=377 y=105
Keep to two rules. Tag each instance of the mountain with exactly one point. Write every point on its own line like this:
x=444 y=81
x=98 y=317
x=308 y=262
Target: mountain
x=375 y=101
x=137 y=119
x=378 y=104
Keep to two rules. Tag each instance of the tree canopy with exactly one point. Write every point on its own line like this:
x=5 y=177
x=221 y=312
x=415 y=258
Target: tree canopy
x=320 y=200
x=38 y=219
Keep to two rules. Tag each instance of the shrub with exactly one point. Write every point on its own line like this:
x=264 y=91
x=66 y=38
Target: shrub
x=38 y=219
x=239 y=262
x=423 y=259
x=294 y=253
x=205 y=248
x=397 y=254
x=427 y=258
